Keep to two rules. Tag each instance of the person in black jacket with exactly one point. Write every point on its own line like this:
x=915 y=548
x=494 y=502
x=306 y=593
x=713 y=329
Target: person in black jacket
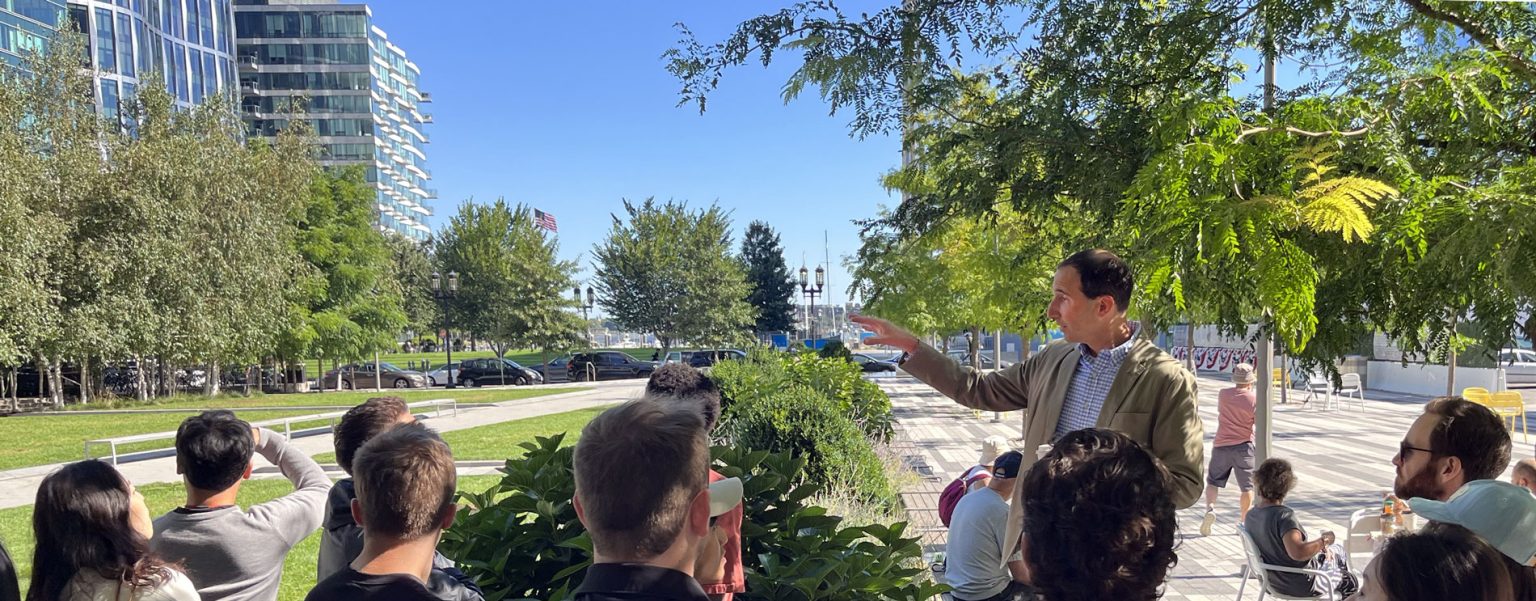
x=9 y=589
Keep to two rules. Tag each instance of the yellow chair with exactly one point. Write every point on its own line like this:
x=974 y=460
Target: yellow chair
x=1274 y=379
x=1476 y=394
x=1510 y=406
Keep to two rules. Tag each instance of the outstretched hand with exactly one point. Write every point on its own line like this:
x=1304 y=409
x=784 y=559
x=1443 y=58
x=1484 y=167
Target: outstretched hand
x=886 y=333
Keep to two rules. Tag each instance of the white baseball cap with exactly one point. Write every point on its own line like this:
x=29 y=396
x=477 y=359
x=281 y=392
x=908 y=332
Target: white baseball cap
x=724 y=495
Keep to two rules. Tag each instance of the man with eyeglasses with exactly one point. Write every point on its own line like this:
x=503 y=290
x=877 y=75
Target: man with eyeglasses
x=1454 y=442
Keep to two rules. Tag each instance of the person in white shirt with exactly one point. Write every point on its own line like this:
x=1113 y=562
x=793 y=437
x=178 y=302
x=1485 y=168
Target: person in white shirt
x=977 y=568
x=93 y=533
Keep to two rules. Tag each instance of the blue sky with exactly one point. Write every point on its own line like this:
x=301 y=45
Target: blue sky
x=568 y=107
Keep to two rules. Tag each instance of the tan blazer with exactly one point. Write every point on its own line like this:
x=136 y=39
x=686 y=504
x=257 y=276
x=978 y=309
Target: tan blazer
x=1153 y=400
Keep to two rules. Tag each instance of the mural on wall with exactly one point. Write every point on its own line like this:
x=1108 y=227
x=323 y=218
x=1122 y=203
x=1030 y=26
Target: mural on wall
x=1212 y=358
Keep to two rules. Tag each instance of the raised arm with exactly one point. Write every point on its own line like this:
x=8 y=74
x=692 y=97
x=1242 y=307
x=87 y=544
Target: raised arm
x=1003 y=390
x=300 y=512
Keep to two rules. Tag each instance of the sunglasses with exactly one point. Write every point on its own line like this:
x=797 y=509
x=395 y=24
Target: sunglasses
x=1403 y=449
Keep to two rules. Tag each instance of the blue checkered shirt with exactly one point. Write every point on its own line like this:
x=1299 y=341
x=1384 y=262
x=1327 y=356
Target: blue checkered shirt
x=1090 y=385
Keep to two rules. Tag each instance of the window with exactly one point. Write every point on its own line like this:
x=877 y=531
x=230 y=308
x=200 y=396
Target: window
x=198 y=85
x=210 y=82
x=106 y=50
x=205 y=22
x=109 y=99
x=179 y=63
x=125 y=42
x=145 y=48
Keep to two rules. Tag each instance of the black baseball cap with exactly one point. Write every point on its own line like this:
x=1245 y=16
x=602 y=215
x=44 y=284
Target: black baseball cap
x=1007 y=465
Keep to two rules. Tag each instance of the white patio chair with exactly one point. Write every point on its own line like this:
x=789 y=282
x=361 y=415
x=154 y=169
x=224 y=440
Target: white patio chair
x=1357 y=542
x=1256 y=568
x=1350 y=389
x=1318 y=385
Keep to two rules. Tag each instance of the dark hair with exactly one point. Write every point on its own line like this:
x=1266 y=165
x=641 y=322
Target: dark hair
x=1472 y=433
x=363 y=422
x=1442 y=561
x=405 y=480
x=81 y=520
x=1274 y=479
x=213 y=449
x=1099 y=519
x=1103 y=273
x=638 y=467
x=681 y=381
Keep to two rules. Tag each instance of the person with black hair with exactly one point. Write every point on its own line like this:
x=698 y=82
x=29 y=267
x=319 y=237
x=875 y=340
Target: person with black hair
x=9 y=588
x=93 y=532
x=1455 y=441
x=1283 y=542
x=1099 y=520
x=1105 y=374
x=232 y=554
x=1439 y=562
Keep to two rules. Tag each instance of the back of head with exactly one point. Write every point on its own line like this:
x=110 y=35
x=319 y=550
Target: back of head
x=81 y=520
x=1274 y=480
x=681 y=382
x=1103 y=273
x=638 y=467
x=1099 y=519
x=1442 y=561
x=405 y=481
x=1472 y=433
x=213 y=449
x=363 y=422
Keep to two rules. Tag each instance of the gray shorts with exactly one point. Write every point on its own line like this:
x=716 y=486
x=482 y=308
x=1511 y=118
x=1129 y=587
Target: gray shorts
x=1225 y=460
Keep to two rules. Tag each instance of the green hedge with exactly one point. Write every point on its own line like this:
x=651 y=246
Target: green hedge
x=525 y=541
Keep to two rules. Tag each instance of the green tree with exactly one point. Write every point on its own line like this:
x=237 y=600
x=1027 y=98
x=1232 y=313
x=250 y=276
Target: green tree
x=772 y=288
x=668 y=270
x=513 y=286
x=413 y=265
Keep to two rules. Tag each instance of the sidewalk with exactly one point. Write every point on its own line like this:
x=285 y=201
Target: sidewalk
x=1343 y=461
x=19 y=486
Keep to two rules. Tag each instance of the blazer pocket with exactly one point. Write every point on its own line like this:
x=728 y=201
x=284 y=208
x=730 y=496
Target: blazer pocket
x=1138 y=426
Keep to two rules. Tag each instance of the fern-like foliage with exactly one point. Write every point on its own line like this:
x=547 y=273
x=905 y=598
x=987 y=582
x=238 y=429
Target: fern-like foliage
x=1339 y=205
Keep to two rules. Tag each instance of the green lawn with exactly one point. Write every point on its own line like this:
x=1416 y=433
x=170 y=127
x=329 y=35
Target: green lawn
x=499 y=441
x=298 y=570
x=27 y=440
x=494 y=441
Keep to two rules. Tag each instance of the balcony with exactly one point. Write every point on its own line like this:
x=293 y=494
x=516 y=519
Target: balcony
x=426 y=96
x=426 y=117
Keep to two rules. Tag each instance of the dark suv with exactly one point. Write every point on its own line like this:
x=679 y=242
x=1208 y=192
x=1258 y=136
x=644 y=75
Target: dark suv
x=607 y=365
x=708 y=358
x=482 y=372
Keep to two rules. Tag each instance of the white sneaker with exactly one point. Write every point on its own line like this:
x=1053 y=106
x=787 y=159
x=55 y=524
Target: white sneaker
x=1205 y=524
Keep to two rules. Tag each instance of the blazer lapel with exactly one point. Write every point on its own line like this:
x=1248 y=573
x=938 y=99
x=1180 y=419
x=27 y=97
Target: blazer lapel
x=1125 y=381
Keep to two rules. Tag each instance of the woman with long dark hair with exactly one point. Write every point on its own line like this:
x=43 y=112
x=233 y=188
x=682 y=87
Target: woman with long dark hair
x=1442 y=561
x=93 y=534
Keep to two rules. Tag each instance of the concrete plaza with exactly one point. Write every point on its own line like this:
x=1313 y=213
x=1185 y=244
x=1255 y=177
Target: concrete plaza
x=1343 y=460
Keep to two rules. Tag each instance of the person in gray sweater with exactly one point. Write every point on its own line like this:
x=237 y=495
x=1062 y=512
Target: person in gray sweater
x=229 y=553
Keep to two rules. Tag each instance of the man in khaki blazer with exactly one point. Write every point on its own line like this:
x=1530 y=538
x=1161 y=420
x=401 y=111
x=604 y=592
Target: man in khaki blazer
x=1104 y=375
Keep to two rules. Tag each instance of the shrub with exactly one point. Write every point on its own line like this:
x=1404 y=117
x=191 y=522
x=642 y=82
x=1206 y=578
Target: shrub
x=524 y=540
x=801 y=421
x=835 y=350
x=764 y=373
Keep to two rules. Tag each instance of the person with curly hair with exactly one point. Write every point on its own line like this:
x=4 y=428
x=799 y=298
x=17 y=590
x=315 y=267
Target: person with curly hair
x=1099 y=520
x=1282 y=541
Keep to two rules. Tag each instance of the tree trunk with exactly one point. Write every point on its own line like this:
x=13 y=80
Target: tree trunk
x=85 y=381
x=378 y=374
x=1285 y=386
x=1450 y=368
x=997 y=348
x=214 y=379
x=973 y=348
x=1189 y=344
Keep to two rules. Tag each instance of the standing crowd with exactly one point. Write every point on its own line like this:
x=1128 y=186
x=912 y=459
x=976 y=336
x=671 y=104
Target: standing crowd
x=1084 y=510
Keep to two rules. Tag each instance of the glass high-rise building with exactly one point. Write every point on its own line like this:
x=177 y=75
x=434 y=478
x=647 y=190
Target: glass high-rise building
x=190 y=43
x=358 y=90
x=26 y=26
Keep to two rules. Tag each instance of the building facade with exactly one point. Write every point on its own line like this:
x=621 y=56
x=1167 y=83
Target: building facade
x=26 y=26
x=357 y=90
x=190 y=43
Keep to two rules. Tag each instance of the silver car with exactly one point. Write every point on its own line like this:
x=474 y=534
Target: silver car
x=445 y=373
x=1519 y=366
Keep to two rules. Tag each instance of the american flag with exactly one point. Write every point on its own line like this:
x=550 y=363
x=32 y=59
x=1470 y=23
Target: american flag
x=545 y=220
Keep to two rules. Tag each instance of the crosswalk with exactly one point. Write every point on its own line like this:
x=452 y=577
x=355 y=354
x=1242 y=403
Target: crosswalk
x=1342 y=457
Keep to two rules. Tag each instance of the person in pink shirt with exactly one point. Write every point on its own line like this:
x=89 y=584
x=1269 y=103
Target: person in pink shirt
x=1233 y=449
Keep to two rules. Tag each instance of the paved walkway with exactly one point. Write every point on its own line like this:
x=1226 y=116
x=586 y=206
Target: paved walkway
x=19 y=486
x=1343 y=460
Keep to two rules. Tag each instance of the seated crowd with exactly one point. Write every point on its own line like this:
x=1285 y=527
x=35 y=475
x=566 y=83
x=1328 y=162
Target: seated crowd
x=1094 y=520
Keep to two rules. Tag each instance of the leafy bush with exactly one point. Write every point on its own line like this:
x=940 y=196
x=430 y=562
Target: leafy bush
x=524 y=540
x=801 y=421
x=835 y=350
x=765 y=372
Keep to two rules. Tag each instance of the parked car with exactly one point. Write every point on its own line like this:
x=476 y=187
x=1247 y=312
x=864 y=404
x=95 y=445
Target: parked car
x=963 y=357
x=677 y=357
x=555 y=369
x=493 y=371
x=444 y=374
x=708 y=358
x=361 y=375
x=607 y=365
x=1519 y=366
x=871 y=364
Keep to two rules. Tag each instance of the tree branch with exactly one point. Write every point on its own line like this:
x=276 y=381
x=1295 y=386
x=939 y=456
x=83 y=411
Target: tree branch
x=1479 y=33
x=1302 y=132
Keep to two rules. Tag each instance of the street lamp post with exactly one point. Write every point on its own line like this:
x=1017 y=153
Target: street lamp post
x=811 y=292
x=586 y=322
x=442 y=295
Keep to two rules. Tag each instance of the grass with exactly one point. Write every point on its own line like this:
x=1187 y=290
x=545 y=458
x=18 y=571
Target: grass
x=494 y=441
x=499 y=441
x=38 y=440
x=298 y=568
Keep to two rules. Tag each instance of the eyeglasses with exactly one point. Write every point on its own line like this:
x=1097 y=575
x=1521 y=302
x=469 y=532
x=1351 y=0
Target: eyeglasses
x=1403 y=448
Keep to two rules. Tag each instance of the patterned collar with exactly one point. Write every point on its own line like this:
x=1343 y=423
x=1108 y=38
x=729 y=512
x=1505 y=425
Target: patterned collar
x=1116 y=354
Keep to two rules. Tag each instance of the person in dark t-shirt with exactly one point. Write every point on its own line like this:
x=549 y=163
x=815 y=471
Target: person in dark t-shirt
x=405 y=481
